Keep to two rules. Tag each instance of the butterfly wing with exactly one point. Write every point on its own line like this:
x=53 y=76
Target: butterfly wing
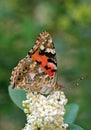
x=37 y=71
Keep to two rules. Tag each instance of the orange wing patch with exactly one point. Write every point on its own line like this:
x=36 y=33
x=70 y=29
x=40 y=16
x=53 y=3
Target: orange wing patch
x=43 y=61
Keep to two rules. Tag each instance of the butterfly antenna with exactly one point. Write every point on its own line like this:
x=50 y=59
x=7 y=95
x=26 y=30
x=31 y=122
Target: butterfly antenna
x=74 y=83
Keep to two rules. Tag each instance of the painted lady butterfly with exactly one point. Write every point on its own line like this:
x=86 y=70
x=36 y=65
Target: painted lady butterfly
x=38 y=70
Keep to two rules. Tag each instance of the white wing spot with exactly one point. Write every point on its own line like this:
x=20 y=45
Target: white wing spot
x=50 y=40
x=32 y=75
x=42 y=47
x=40 y=70
x=50 y=50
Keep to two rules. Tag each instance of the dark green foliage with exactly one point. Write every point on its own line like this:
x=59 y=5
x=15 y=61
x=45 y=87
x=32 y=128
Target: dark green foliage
x=17 y=96
x=74 y=127
x=71 y=113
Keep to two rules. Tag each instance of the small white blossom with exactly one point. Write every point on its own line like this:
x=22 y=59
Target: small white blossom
x=45 y=113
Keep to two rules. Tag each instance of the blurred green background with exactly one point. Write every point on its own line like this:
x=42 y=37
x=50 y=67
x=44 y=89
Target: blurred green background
x=69 y=23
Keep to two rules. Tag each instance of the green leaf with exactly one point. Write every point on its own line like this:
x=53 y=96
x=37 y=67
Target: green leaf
x=74 y=127
x=17 y=96
x=71 y=113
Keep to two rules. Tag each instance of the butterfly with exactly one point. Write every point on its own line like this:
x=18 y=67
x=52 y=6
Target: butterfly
x=37 y=72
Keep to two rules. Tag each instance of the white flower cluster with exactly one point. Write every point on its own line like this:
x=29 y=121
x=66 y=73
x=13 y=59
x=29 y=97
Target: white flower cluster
x=45 y=113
